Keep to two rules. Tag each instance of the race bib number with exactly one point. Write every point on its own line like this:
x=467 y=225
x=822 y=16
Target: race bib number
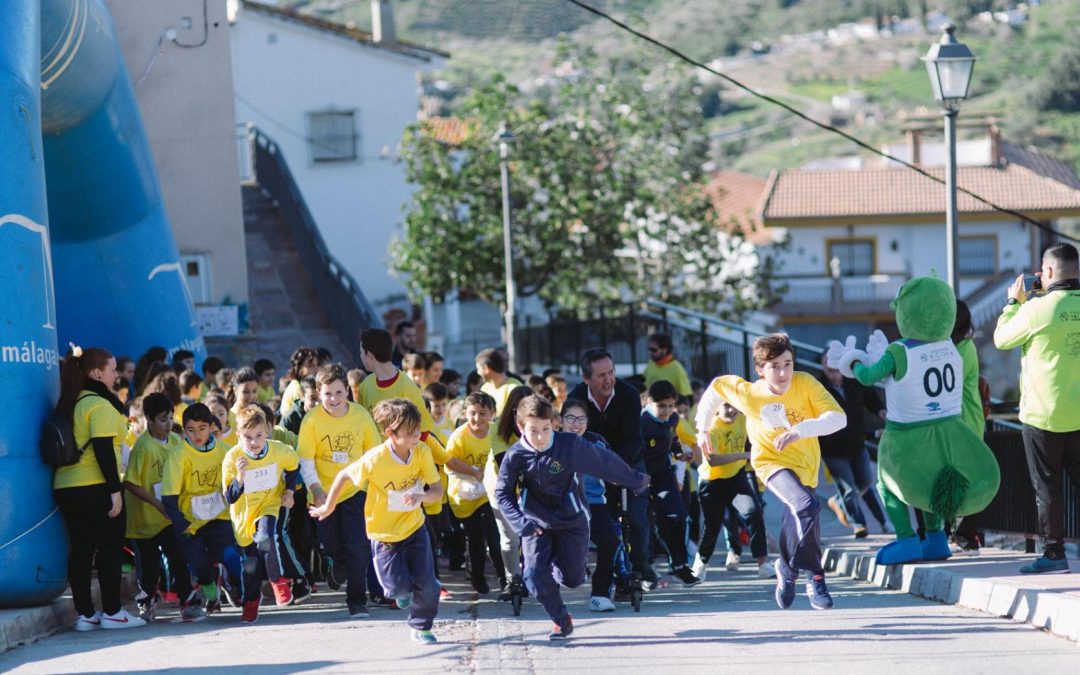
x=396 y=498
x=340 y=457
x=774 y=415
x=157 y=491
x=261 y=479
x=207 y=507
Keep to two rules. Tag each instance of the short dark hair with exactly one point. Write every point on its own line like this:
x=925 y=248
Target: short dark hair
x=768 y=347
x=661 y=340
x=590 y=357
x=433 y=357
x=155 y=404
x=330 y=373
x=263 y=365
x=662 y=390
x=1064 y=256
x=402 y=325
x=492 y=359
x=379 y=343
x=535 y=406
x=309 y=382
x=211 y=365
x=449 y=375
x=196 y=412
x=181 y=355
x=480 y=399
x=574 y=403
x=436 y=391
x=189 y=379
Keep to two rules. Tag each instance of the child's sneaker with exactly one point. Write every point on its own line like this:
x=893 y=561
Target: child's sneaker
x=687 y=577
x=282 y=591
x=403 y=601
x=88 y=623
x=301 y=591
x=250 y=613
x=731 y=563
x=818 y=592
x=120 y=620
x=212 y=598
x=561 y=632
x=192 y=611
x=700 y=568
x=147 y=607
x=445 y=594
x=599 y=603
x=785 y=591
x=359 y=612
x=766 y=570
x=424 y=637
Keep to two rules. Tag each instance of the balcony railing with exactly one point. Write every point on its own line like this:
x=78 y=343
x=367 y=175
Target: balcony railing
x=814 y=293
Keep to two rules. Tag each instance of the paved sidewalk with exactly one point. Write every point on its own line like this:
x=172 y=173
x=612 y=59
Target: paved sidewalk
x=990 y=582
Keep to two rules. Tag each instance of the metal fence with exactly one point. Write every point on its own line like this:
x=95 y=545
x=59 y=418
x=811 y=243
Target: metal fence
x=346 y=307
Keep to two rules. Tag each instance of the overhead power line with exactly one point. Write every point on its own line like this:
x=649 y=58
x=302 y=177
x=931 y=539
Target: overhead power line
x=821 y=125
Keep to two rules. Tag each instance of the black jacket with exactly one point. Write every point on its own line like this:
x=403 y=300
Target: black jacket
x=855 y=399
x=620 y=423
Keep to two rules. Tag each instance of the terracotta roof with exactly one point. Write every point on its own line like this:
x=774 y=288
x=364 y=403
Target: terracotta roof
x=452 y=131
x=737 y=199
x=878 y=192
x=363 y=37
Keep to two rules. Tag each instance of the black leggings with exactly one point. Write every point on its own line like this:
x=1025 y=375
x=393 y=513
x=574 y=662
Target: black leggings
x=483 y=539
x=96 y=541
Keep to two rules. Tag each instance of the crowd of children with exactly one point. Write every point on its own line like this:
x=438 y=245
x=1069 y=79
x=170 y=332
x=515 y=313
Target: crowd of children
x=366 y=479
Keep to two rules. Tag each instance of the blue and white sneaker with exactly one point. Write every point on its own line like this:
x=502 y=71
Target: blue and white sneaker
x=818 y=592
x=1046 y=565
x=785 y=590
x=424 y=637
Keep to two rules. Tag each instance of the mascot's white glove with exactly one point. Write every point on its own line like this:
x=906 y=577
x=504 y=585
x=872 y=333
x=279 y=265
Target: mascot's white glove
x=843 y=356
x=876 y=346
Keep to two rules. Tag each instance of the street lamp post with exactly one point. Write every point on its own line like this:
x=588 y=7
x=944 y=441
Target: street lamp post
x=504 y=137
x=949 y=64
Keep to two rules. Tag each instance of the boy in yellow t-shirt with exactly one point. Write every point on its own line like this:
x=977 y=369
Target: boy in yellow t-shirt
x=267 y=373
x=724 y=482
x=785 y=413
x=192 y=494
x=333 y=436
x=259 y=476
x=148 y=524
x=400 y=475
x=471 y=443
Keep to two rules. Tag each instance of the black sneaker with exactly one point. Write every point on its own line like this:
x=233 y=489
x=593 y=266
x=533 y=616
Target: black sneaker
x=687 y=577
x=785 y=591
x=480 y=585
x=561 y=632
x=818 y=592
x=359 y=612
x=301 y=591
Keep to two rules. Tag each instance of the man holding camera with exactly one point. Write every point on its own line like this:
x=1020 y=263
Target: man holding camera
x=1045 y=323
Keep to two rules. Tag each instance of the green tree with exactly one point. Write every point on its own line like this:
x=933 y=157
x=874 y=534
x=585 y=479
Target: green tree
x=606 y=196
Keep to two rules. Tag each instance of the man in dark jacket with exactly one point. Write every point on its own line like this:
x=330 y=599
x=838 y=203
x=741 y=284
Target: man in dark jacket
x=615 y=413
x=845 y=455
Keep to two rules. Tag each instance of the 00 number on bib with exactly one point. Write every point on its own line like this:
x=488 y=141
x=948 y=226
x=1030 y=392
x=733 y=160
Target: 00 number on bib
x=207 y=507
x=261 y=479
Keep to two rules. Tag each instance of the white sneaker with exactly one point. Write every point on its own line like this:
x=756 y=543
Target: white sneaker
x=766 y=570
x=700 y=568
x=88 y=623
x=732 y=561
x=121 y=620
x=599 y=603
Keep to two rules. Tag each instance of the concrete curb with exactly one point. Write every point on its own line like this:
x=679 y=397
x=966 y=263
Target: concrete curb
x=956 y=582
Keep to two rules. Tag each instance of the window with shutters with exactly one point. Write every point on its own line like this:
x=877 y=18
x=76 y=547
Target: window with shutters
x=855 y=257
x=332 y=136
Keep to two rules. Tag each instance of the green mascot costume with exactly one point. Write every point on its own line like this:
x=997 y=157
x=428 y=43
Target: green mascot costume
x=928 y=458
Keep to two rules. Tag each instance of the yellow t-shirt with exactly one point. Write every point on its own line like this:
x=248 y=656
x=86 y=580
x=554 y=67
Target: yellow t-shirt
x=686 y=432
x=266 y=394
x=336 y=442
x=402 y=387
x=442 y=433
x=726 y=438
x=765 y=412
x=500 y=394
x=146 y=468
x=383 y=471
x=194 y=476
x=94 y=418
x=673 y=372
x=178 y=412
x=232 y=438
x=473 y=451
x=292 y=392
x=264 y=485
x=285 y=436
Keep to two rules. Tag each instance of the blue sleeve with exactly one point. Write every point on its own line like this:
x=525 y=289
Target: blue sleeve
x=172 y=507
x=506 y=494
x=234 y=491
x=292 y=478
x=601 y=463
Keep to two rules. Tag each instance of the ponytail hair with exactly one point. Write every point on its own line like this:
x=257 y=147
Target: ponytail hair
x=74 y=371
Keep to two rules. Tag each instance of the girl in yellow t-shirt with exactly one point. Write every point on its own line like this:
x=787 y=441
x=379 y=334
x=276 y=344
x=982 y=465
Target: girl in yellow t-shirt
x=225 y=429
x=89 y=493
x=785 y=413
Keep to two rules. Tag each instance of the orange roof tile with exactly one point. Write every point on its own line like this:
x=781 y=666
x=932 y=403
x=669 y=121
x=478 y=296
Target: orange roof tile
x=737 y=199
x=876 y=192
x=452 y=131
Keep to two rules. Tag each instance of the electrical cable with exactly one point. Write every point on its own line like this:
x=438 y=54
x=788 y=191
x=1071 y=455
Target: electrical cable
x=822 y=125
x=206 y=30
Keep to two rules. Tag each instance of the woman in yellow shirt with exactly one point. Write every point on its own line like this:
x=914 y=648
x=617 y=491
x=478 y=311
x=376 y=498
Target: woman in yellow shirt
x=89 y=493
x=785 y=413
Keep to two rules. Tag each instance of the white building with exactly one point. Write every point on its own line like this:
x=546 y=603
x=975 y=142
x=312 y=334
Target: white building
x=336 y=100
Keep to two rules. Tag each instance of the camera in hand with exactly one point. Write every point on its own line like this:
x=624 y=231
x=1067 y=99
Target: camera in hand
x=1032 y=284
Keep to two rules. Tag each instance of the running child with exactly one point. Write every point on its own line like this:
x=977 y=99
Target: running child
x=785 y=413
x=148 y=525
x=400 y=475
x=267 y=373
x=551 y=515
x=259 y=476
x=193 y=497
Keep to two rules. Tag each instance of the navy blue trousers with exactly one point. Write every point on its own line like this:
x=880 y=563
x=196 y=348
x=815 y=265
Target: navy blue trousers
x=553 y=558
x=406 y=568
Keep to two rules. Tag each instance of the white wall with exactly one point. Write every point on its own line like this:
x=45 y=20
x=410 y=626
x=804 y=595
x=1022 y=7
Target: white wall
x=279 y=79
x=186 y=99
x=920 y=249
